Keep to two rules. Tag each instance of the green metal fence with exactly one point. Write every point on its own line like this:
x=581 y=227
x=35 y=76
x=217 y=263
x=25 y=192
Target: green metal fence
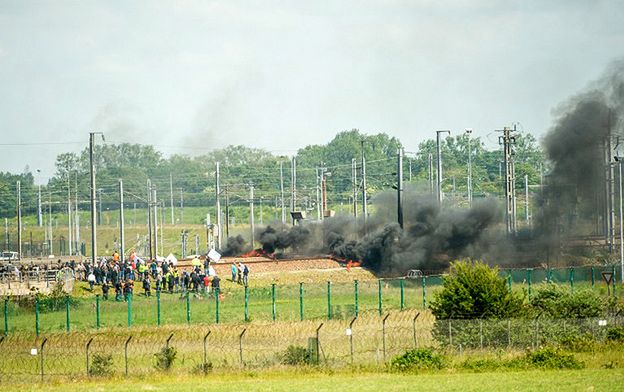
x=276 y=302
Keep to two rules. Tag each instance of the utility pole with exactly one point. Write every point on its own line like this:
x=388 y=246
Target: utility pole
x=354 y=185
x=508 y=140
x=171 y=194
x=69 y=214
x=468 y=132
x=227 y=213
x=19 y=220
x=610 y=194
x=621 y=224
x=51 y=235
x=323 y=193
x=218 y=204
x=364 y=195
x=261 y=212
x=121 y=221
x=6 y=234
x=251 y=213
x=318 y=195
x=439 y=172
x=282 y=192
x=430 y=159
x=400 y=187
x=39 y=214
x=162 y=227
x=526 y=198
x=77 y=216
x=155 y=220
x=293 y=197
x=93 y=223
x=149 y=219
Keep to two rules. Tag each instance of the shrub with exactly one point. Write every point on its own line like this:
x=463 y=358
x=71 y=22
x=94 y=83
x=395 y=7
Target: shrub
x=295 y=355
x=165 y=358
x=202 y=368
x=558 y=302
x=615 y=334
x=479 y=365
x=101 y=365
x=553 y=358
x=573 y=342
x=417 y=359
x=474 y=290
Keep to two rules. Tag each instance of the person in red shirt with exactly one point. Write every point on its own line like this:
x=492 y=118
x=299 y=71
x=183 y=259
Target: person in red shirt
x=207 y=284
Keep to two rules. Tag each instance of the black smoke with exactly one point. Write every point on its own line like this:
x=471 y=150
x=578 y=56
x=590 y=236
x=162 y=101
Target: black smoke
x=235 y=246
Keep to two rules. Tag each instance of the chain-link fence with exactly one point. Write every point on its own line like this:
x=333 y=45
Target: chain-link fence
x=367 y=340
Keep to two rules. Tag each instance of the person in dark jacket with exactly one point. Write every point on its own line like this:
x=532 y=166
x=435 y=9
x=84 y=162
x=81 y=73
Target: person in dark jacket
x=105 y=290
x=147 y=286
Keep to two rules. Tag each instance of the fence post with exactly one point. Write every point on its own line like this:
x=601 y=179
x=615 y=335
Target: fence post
x=379 y=297
x=67 y=314
x=414 y=329
x=613 y=280
x=529 y=280
x=188 y=309
x=205 y=369
x=508 y=332
x=126 y=353
x=301 y=301
x=383 y=335
x=158 y=307
x=424 y=288
x=87 y=354
x=329 y=310
x=41 y=355
x=450 y=332
x=593 y=278
x=351 y=337
x=273 y=306
x=6 y=317
x=481 y=334
x=129 y=310
x=402 y=286
x=509 y=280
x=572 y=279
x=217 y=305
x=246 y=303
x=240 y=346
x=97 y=311
x=357 y=304
x=318 y=344
x=37 y=316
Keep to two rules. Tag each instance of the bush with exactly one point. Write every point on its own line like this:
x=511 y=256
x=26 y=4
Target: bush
x=417 y=359
x=558 y=302
x=202 y=368
x=573 y=342
x=474 y=290
x=295 y=355
x=101 y=365
x=165 y=358
x=553 y=358
x=615 y=334
x=480 y=365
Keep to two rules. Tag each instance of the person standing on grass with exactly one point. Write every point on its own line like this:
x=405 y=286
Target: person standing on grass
x=233 y=271
x=147 y=286
x=128 y=287
x=245 y=275
x=118 y=289
x=91 y=280
x=105 y=290
x=240 y=272
x=206 y=281
x=216 y=284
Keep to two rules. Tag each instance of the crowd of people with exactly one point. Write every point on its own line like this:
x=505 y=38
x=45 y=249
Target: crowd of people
x=164 y=276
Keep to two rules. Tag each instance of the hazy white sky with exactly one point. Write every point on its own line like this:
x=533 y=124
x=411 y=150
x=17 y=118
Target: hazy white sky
x=191 y=76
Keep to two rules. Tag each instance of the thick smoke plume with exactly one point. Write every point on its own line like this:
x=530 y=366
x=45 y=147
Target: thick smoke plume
x=235 y=246
x=430 y=238
x=586 y=132
x=576 y=148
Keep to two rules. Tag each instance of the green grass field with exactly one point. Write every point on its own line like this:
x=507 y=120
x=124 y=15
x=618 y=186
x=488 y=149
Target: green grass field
x=533 y=380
